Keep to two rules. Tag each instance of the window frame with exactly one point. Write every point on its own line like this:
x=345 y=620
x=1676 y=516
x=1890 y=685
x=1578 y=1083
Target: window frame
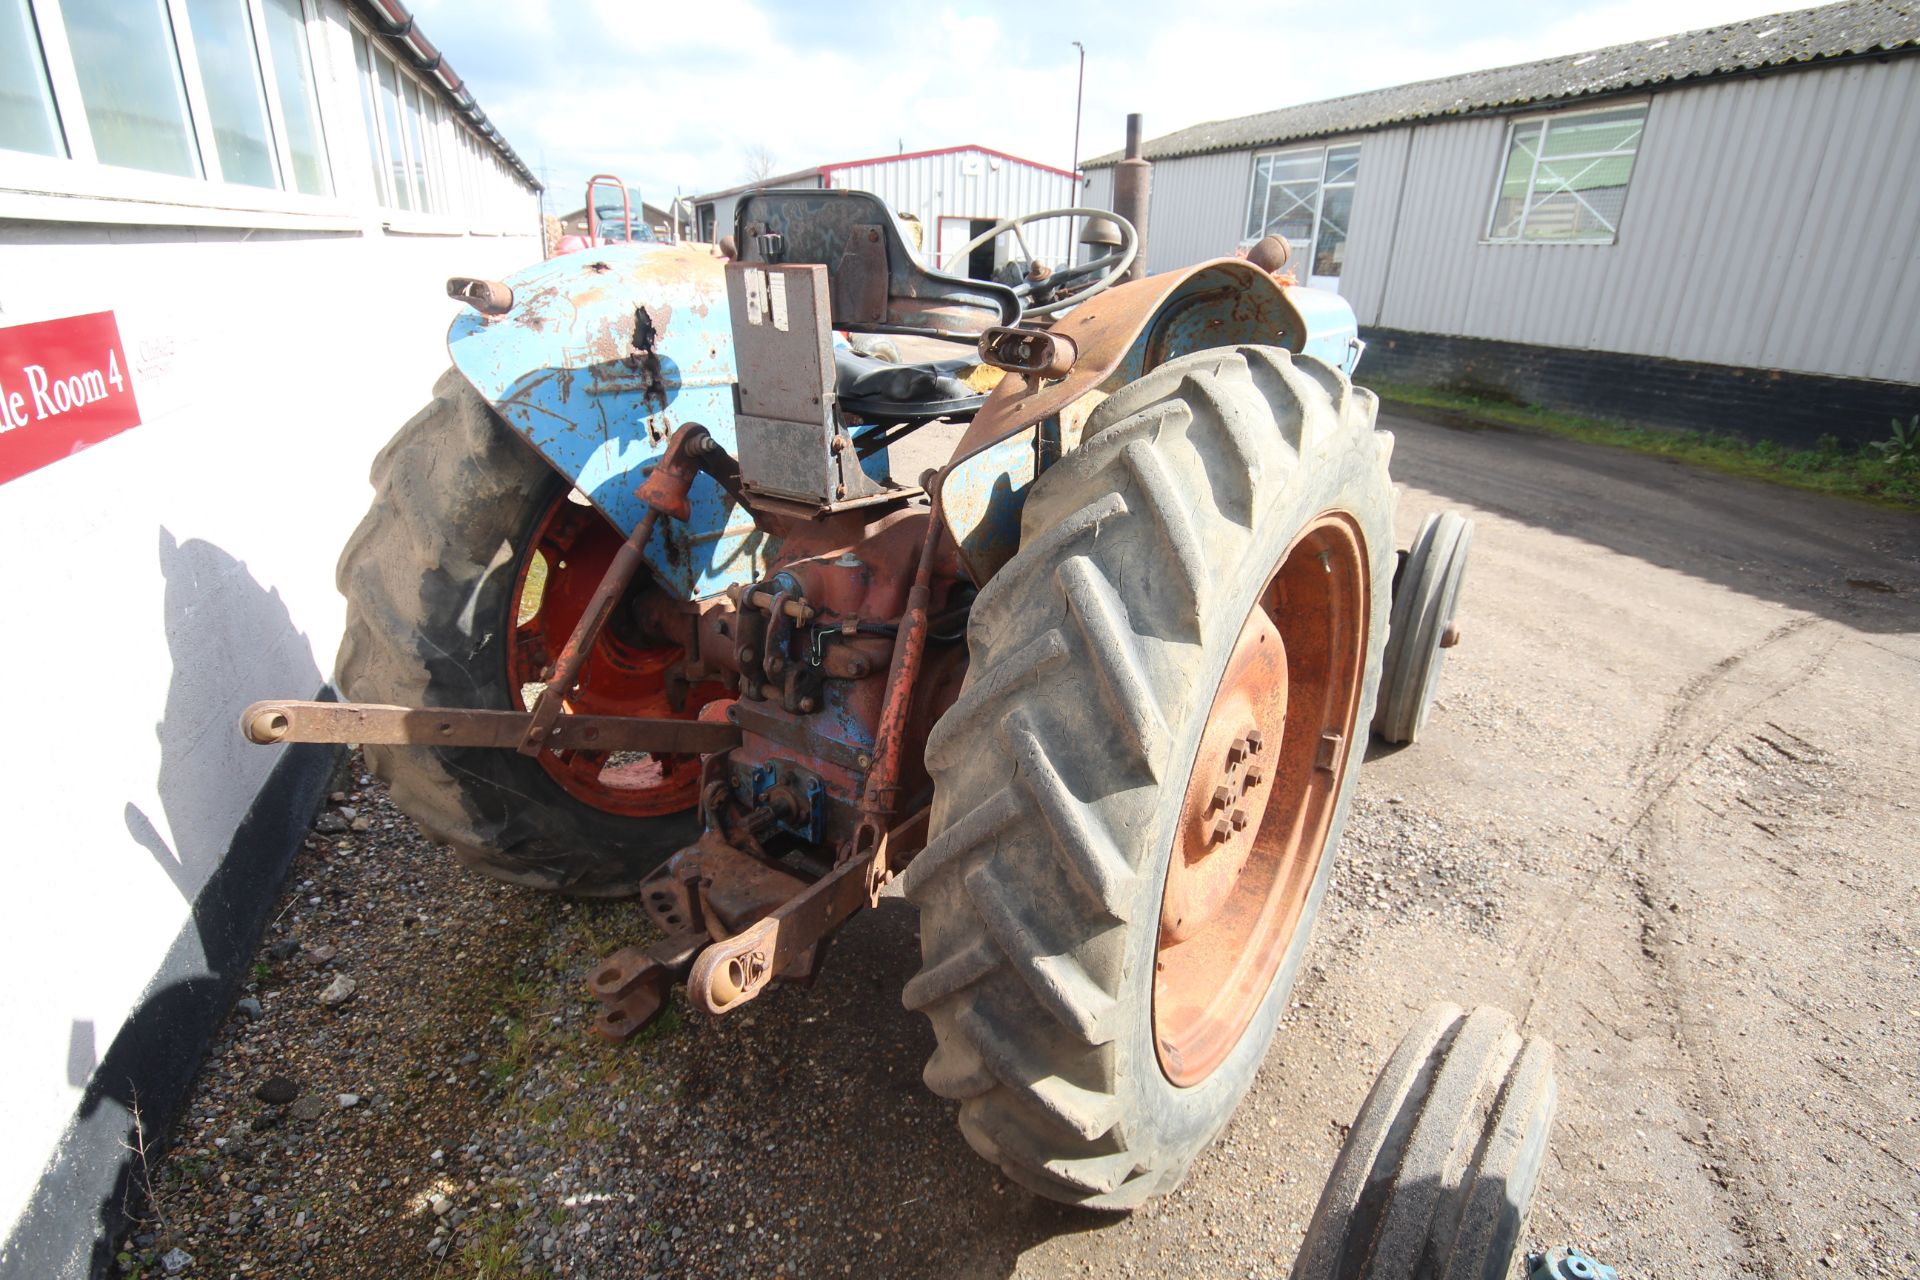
x=78 y=186
x=75 y=186
x=1546 y=120
x=450 y=193
x=1303 y=268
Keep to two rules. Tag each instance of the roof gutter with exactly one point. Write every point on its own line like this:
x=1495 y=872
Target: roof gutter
x=396 y=26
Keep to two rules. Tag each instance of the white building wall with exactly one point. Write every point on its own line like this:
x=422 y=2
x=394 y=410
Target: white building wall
x=1769 y=223
x=165 y=578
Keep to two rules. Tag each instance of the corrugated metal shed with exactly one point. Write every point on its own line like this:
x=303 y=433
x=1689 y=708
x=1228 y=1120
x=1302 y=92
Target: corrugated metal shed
x=952 y=187
x=1769 y=224
x=1848 y=29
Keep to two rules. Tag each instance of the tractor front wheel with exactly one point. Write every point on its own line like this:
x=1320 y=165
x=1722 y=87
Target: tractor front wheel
x=1138 y=789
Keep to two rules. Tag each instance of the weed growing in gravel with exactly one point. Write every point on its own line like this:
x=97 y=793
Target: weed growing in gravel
x=1876 y=475
x=490 y=1249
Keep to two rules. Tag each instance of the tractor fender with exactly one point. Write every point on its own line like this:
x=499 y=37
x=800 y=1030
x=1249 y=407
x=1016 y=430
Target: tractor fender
x=600 y=356
x=1120 y=336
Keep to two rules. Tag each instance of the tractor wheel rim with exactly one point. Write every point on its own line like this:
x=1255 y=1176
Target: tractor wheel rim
x=1260 y=801
x=565 y=560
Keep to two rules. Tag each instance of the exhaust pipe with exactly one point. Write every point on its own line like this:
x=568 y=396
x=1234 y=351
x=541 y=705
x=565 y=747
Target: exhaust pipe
x=1132 y=191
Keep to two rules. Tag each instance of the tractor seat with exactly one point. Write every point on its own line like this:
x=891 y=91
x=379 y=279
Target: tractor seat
x=883 y=391
x=875 y=281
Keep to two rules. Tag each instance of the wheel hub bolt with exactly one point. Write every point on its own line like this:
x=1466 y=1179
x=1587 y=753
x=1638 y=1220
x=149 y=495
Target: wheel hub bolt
x=1220 y=831
x=1239 y=819
x=1222 y=796
x=1255 y=775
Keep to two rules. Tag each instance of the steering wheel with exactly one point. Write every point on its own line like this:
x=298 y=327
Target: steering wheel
x=1103 y=271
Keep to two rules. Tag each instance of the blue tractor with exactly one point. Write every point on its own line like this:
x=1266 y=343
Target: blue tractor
x=643 y=606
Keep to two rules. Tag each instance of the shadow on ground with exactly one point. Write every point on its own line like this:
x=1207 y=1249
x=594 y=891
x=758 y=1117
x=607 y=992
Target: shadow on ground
x=1846 y=561
x=838 y=1068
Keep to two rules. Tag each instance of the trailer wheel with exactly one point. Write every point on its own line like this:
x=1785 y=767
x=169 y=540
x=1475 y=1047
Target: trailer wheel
x=463 y=580
x=1439 y=1168
x=1139 y=785
x=1426 y=594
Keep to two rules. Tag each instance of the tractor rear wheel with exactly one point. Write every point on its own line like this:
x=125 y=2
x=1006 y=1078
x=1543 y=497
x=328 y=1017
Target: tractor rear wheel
x=463 y=580
x=1137 y=789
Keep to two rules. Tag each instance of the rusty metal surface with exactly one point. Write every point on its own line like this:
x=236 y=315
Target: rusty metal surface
x=713 y=886
x=1234 y=898
x=488 y=297
x=293 y=721
x=633 y=983
x=1120 y=334
x=732 y=972
x=1034 y=352
x=665 y=492
x=1132 y=193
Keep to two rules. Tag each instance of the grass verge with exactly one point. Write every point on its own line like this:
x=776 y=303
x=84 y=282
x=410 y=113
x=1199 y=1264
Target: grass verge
x=1831 y=468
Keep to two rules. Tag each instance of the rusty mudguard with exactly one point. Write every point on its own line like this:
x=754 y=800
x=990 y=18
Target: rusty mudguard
x=1119 y=335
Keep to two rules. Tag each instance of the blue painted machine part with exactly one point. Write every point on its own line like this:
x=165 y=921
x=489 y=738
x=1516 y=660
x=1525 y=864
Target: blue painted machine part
x=602 y=355
x=606 y=351
x=1567 y=1264
x=1332 y=332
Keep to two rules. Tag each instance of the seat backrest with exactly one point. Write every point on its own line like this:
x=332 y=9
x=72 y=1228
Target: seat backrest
x=874 y=280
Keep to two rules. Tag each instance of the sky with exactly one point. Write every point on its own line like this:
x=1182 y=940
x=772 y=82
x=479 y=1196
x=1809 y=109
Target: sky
x=679 y=97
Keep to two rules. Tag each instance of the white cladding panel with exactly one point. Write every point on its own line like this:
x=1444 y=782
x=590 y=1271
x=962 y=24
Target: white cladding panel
x=1197 y=208
x=1770 y=222
x=968 y=184
x=1377 y=208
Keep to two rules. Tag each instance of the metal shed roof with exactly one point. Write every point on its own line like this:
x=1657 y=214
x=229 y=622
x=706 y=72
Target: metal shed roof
x=826 y=170
x=1781 y=40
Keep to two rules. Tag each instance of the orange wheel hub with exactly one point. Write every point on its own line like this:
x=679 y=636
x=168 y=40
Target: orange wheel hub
x=1257 y=808
x=569 y=554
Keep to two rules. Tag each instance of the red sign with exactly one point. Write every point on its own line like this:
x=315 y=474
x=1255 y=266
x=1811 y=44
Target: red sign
x=63 y=386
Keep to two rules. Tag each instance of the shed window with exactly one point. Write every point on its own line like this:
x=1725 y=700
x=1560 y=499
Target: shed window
x=1305 y=196
x=220 y=89
x=1565 y=177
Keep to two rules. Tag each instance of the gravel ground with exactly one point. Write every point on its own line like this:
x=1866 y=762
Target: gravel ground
x=1664 y=813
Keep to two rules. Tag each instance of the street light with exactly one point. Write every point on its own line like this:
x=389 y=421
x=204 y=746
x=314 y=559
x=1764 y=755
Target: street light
x=1079 y=92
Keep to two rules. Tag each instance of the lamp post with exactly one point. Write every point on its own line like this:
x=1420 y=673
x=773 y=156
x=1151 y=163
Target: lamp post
x=1079 y=92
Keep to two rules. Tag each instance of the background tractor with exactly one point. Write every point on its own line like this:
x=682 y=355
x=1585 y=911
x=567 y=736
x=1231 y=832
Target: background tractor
x=642 y=607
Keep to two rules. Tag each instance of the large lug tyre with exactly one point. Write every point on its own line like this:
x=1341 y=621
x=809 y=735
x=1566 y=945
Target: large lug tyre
x=432 y=579
x=1227 y=499
x=1439 y=1168
x=1423 y=628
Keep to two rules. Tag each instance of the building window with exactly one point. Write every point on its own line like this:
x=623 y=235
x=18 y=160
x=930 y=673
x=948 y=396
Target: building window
x=1305 y=196
x=297 y=95
x=28 y=121
x=223 y=42
x=216 y=89
x=407 y=134
x=124 y=53
x=1565 y=177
